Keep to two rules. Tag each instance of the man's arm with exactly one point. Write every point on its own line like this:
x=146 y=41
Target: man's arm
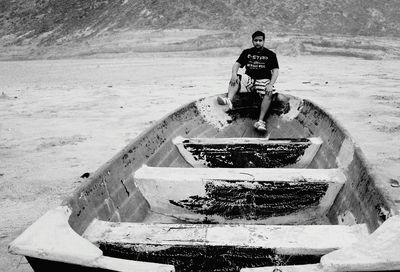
x=274 y=77
x=234 y=77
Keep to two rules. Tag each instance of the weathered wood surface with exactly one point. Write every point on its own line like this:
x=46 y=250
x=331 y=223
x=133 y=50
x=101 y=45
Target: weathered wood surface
x=286 y=268
x=206 y=258
x=273 y=195
x=201 y=247
x=378 y=251
x=50 y=243
x=287 y=240
x=244 y=140
x=248 y=152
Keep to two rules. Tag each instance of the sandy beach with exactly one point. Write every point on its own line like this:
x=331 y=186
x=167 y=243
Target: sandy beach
x=62 y=118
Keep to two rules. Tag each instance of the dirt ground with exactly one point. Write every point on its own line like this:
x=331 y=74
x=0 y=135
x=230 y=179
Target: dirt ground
x=62 y=118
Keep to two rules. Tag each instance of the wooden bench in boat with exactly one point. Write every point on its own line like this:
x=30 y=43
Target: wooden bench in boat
x=220 y=243
x=378 y=251
x=248 y=152
x=260 y=195
x=286 y=268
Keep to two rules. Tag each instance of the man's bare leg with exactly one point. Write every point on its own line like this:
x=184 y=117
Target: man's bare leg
x=260 y=124
x=233 y=89
x=265 y=104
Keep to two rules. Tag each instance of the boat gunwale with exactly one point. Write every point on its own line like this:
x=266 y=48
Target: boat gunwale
x=368 y=167
x=104 y=167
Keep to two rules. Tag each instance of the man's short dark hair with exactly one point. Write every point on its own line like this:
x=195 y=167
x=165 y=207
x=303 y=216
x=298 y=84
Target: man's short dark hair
x=258 y=33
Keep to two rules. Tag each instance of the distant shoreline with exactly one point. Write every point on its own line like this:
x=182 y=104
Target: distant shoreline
x=199 y=43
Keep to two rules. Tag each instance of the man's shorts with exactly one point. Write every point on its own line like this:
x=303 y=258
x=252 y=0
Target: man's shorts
x=258 y=86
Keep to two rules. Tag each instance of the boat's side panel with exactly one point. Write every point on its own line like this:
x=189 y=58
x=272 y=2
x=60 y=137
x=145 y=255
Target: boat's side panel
x=110 y=193
x=168 y=154
x=109 y=196
x=305 y=120
x=316 y=122
x=360 y=200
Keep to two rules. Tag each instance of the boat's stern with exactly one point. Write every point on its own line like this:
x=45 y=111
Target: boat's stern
x=50 y=244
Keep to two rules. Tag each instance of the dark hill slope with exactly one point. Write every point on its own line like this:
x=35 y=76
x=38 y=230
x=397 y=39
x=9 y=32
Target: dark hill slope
x=66 y=28
x=83 y=18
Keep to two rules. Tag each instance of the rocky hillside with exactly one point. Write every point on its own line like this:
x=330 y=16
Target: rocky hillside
x=56 y=22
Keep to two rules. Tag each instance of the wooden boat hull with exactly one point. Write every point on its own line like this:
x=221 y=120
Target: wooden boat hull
x=113 y=194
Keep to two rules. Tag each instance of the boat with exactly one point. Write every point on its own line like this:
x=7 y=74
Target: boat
x=202 y=190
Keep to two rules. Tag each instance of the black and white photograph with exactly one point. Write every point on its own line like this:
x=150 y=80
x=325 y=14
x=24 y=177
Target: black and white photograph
x=199 y=135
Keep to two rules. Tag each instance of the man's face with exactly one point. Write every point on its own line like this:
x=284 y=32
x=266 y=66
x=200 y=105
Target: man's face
x=258 y=41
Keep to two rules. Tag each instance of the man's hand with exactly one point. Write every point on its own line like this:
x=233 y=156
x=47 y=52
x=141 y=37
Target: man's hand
x=234 y=80
x=269 y=90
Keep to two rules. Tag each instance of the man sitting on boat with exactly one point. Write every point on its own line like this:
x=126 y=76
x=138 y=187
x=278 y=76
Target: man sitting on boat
x=262 y=70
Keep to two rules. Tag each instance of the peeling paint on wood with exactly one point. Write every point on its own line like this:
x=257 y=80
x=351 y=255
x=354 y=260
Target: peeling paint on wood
x=204 y=258
x=247 y=200
x=247 y=152
x=247 y=155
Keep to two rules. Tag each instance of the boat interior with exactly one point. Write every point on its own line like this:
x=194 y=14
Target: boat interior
x=202 y=190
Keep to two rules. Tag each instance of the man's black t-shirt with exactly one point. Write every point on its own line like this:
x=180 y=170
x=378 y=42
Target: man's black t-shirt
x=258 y=64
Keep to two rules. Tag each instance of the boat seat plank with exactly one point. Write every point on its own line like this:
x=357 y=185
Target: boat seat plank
x=52 y=236
x=376 y=252
x=248 y=152
x=284 y=240
x=277 y=195
x=286 y=268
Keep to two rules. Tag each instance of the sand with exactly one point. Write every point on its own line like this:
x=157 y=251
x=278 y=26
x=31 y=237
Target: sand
x=62 y=118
